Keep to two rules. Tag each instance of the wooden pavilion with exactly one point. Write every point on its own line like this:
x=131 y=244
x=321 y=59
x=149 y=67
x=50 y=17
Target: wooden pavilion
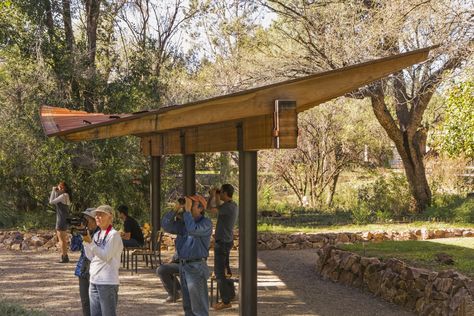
x=247 y=121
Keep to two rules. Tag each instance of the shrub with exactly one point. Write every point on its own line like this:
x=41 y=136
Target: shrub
x=389 y=196
x=362 y=214
x=451 y=207
x=12 y=309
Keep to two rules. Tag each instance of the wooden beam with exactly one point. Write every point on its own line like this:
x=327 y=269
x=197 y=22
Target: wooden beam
x=258 y=133
x=307 y=91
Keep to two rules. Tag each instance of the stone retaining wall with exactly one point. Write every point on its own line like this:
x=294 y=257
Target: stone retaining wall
x=41 y=240
x=420 y=290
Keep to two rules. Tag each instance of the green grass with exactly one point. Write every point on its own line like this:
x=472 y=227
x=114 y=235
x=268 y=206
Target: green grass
x=13 y=309
x=275 y=228
x=422 y=253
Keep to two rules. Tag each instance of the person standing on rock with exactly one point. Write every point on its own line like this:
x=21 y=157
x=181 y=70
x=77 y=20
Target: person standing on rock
x=227 y=213
x=61 y=198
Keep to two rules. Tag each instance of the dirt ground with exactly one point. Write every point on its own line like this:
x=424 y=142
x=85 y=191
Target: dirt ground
x=287 y=285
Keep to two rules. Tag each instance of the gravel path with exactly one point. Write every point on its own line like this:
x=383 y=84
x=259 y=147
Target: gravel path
x=287 y=285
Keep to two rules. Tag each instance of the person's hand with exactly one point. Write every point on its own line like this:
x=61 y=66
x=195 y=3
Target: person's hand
x=188 y=205
x=87 y=238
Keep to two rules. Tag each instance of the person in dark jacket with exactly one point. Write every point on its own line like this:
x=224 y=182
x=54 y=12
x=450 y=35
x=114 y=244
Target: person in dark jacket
x=82 y=267
x=132 y=235
x=192 y=244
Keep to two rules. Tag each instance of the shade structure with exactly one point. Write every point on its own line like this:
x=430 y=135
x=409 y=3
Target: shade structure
x=307 y=91
x=255 y=119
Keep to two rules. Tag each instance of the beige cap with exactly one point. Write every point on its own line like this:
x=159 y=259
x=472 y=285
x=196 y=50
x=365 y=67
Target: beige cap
x=105 y=209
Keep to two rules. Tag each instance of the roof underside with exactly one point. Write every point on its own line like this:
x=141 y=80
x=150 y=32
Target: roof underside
x=307 y=91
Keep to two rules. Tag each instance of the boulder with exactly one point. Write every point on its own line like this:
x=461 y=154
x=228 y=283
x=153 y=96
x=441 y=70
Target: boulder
x=292 y=246
x=343 y=238
x=274 y=244
x=443 y=284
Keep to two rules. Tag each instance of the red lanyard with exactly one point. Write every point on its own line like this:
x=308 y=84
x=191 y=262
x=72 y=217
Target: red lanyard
x=107 y=231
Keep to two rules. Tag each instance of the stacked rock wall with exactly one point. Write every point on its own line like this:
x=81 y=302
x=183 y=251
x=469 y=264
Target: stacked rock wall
x=424 y=291
x=265 y=241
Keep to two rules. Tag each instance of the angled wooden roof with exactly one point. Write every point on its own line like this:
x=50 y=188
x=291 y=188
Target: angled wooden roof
x=307 y=91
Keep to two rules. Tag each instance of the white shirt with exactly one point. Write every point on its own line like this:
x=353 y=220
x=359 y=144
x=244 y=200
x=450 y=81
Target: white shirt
x=105 y=257
x=55 y=198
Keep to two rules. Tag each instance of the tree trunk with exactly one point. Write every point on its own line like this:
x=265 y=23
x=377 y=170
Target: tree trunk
x=412 y=157
x=92 y=14
x=410 y=146
x=68 y=31
x=332 y=190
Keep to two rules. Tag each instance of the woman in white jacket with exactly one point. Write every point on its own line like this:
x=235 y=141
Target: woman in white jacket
x=61 y=198
x=104 y=250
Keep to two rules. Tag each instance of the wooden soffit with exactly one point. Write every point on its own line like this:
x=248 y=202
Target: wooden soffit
x=307 y=91
x=276 y=131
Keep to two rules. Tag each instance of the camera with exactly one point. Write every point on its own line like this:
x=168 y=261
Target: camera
x=78 y=225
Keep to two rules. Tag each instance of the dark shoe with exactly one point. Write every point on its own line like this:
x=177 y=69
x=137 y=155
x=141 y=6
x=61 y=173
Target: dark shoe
x=170 y=299
x=221 y=305
x=64 y=259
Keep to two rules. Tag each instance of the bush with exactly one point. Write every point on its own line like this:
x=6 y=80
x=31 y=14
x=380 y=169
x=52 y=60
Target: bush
x=388 y=196
x=12 y=309
x=362 y=214
x=451 y=208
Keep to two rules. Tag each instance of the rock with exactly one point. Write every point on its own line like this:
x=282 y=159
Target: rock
x=364 y=261
x=468 y=233
x=458 y=299
x=420 y=304
x=36 y=241
x=261 y=246
x=378 y=236
x=396 y=265
x=343 y=238
x=424 y=234
x=356 y=268
x=443 y=284
x=439 y=233
x=274 y=244
x=298 y=237
x=346 y=277
x=367 y=236
x=458 y=232
x=316 y=238
x=16 y=246
x=306 y=245
x=8 y=241
x=444 y=258
x=293 y=246
x=265 y=237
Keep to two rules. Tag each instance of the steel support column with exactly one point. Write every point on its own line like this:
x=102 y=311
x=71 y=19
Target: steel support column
x=248 y=232
x=189 y=174
x=155 y=196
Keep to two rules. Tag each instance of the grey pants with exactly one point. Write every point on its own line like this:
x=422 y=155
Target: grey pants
x=84 y=293
x=165 y=272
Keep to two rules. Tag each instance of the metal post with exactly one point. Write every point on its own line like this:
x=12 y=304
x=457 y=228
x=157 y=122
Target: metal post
x=155 y=197
x=248 y=232
x=189 y=174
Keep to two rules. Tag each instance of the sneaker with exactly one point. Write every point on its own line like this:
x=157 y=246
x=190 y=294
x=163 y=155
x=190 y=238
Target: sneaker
x=64 y=259
x=221 y=305
x=170 y=299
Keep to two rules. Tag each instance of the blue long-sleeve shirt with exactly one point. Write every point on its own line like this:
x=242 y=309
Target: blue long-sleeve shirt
x=193 y=235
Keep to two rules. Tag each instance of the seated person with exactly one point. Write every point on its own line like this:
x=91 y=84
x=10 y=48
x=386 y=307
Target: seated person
x=132 y=235
x=167 y=274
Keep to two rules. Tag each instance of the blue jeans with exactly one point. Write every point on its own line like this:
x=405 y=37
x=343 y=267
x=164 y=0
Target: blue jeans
x=131 y=243
x=103 y=299
x=194 y=277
